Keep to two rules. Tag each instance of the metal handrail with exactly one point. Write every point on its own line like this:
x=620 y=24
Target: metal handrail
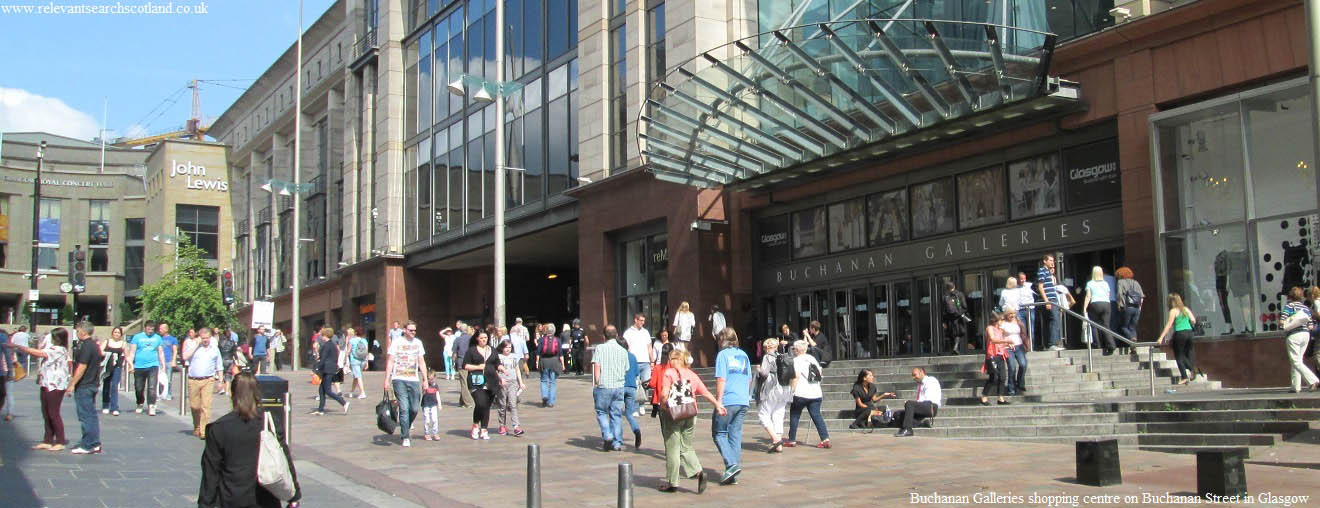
x=1090 y=362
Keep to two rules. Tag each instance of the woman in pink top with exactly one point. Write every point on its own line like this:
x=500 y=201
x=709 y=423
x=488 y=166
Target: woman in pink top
x=996 y=348
x=678 y=433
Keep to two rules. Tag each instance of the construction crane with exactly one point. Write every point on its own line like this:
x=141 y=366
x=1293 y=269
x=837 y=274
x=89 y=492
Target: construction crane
x=192 y=129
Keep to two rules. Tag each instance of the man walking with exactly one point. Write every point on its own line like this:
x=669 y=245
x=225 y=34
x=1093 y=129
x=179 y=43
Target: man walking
x=205 y=368
x=580 y=345
x=146 y=357
x=609 y=363
x=327 y=365
x=1047 y=287
x=86 y=379
x=169 y=346
x=462 y=339
x=405 y=370
x=639 y=345
x=518 y=333
x=733 y=389
x=955 y=319
x=260 y=344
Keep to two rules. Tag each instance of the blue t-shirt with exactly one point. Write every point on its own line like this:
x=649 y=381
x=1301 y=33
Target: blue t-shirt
x=167 y=344
x=354 y=345
x=145 y=357
x=735 y=368
x=259 y=345
x=630 y=376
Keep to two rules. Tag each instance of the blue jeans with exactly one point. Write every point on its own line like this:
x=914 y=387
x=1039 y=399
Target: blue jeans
x=727 y=431
x=630 y=407
x=84 y=398
x=609 y=414
x=1055 y=317
x=328 y=390
x=549 y=384
x=110 y=389
x=1017 y=368
x=1129 y=318
x=795 y=414
x=409 y=394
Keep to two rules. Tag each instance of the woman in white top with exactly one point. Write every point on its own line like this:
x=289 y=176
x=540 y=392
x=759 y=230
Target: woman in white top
x=658 y=344
x=806 y=394
x=53 y=376
x=1017 y=350
x=450 y=337
x=1097 y=307
x=775 y=397
x=684 y=322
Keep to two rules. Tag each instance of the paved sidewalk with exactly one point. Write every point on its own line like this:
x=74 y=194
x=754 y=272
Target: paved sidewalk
x=148 y=461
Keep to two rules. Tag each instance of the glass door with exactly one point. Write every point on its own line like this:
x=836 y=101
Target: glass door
x=861 y=319
x=882 y=341
x=825 y=315
x=904 y=334
x=803 y=314
x=974 y=287
x=926 y=336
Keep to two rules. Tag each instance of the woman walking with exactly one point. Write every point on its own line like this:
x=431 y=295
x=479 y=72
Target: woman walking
x=357 y=361
x=775 y=393
x=112 y=370
x=684 y=322
x=1011 y=324
x=1097 y=307
x=551 y=364
x=233 y=447
x=450 y=337
x=806 y=394
x=53 y=376
x=995 y=360
x=1180 y=320
x=661 y=339
x=1298 y=321
x=1130 y=297
x=480 y=370
x=511 y=386
x=680 y=456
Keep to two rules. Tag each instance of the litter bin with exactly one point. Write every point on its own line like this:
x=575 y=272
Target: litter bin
x=275 y=400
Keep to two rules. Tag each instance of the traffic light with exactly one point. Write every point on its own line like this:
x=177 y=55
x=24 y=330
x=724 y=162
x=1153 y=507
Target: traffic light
x=227 y=286
x=78 y=270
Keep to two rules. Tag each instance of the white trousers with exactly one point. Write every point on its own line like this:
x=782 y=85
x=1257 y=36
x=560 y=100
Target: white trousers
x=1296 y=355
x=163 y=381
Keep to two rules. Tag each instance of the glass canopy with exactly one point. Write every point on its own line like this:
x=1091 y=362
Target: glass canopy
x=804 y=99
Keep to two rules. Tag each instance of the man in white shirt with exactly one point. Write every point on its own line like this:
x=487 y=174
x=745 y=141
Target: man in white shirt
x=717 y=322
x=929 y=399
x=205 y=368
x=639 y=344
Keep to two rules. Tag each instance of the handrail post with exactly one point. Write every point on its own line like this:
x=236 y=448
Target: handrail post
x=1152 y=369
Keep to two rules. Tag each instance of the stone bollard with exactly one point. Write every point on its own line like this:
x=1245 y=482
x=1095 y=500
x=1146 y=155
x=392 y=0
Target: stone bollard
x=1221 y=472
x=1097 y=463
x=533 y=476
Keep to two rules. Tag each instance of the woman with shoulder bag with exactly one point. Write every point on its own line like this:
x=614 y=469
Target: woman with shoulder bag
x=1298 y=321
x=807 y=394
x=233 y=452
x=679 y=389
x=481 y=373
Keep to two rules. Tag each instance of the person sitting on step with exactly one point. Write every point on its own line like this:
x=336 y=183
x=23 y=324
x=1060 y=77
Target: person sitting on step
x=929 y=399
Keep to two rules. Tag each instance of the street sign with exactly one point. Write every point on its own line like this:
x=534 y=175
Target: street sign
x=263 y=314
x=65 y=287
x=34 y=294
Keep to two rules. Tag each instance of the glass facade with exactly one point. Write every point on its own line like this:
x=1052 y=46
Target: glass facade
x=98 y=235
x=48 y=234
x=135 y=232
x=644 y=282
x=202 y=226
x=4 y=231
x=1066 y=18
x=618 y=77
x=450 y=150
x=1237 y=202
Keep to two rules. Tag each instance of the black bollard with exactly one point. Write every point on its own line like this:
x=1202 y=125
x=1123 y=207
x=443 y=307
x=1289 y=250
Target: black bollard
x=533 y=476
x=1097 y=463
x=1221 y=472
x=625 y=485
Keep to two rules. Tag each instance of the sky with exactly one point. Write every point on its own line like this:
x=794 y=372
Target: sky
x=58 y=70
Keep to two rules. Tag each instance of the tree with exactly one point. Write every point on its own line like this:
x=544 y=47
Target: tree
x=187 y=296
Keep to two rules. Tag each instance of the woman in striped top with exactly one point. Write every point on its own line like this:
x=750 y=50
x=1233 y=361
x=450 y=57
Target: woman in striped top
x=1298 y=322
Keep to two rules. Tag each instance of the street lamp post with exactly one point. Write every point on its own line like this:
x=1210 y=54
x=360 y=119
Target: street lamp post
x=295 y=191
x=483 y=95
x=297 y=200
x=36 y=227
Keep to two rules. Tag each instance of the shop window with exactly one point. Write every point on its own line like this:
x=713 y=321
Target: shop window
x=982 y=199
x=932 y=207
x=644 y=280
x=888 y=214
x=134 y=253
x=847 y=225
x=1234 y=253
x=809 y=232
x=4 y=231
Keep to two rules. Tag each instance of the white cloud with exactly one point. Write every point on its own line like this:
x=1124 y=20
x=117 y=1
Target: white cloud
x=23 y=111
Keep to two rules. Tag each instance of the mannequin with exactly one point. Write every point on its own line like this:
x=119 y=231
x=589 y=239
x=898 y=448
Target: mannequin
x=1233 y=285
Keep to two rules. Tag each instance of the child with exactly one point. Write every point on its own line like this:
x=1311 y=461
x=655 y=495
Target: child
x=431 y=411
x=511 y=386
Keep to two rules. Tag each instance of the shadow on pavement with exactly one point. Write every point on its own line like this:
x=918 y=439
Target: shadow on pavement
x=13 y=454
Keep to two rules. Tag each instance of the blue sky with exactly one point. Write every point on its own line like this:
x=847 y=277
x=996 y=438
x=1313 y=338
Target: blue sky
x=57 y=69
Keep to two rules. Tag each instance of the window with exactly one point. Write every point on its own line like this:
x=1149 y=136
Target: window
x=982 y=200
x=655 y=46
x=202 y=225
x=283 y=281
x=932 y=207
x=1230 y=249
x=809 y=232
x=619 y=96
x=262 y=261
x=644 y=280
x=48 y=236
x=4 y=230
x=847 y=225
x=888 y=212
x=98 y=235
x=134 y=253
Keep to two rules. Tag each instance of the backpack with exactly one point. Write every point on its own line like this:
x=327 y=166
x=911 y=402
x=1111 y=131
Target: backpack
x=226 y=349
x=549 y=345
x=784 y=373
x=578 y=336
x=813 y=373
x=359 y=352
x=1131 y=299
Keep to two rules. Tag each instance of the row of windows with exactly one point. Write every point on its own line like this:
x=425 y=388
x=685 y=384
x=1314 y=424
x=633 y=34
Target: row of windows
x=1077 y=177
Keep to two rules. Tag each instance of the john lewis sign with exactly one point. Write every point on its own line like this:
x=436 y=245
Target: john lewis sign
x=1034 y=236
x=195 y=177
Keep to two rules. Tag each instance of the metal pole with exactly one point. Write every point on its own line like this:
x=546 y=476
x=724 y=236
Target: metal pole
x=1152 y=370
x=625 y=485
x=297 y=198
x=499 y=164
x=533 y=476
x=181 y=388
x=36 y=234
x=1313 y=77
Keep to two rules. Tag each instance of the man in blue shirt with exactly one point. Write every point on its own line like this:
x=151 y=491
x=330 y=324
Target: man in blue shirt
x=733 y=389
x=1052 y=316
x=169 y=345
x=259 y=350
x=145 y=356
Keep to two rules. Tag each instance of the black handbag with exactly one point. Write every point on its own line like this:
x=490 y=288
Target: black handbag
x=387 y=414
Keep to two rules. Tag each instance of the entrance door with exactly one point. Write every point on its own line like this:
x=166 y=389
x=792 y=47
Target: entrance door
x=974 y=288
x=844 y=332
x=927 y=334
x=882 y=343
x=904 y=319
